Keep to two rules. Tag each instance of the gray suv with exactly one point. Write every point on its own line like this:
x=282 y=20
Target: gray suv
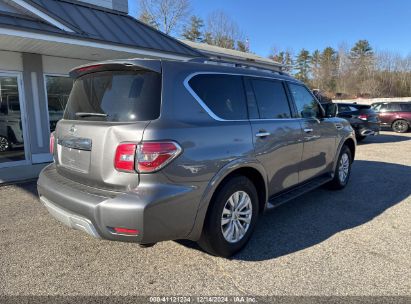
x=152 y=150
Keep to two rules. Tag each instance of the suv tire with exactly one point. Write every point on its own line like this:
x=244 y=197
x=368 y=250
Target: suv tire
x=400 y=126
x=4 y=144
x=231 y=217
x=343 y=170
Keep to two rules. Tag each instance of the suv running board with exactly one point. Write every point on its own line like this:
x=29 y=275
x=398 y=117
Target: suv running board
x=283 y=197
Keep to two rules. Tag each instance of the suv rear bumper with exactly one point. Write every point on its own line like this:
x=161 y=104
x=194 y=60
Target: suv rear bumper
x=70 y=219
x=158 y=212
x=367 y=129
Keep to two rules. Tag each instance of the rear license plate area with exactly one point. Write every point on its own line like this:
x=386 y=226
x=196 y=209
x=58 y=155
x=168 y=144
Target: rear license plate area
x=74 y=159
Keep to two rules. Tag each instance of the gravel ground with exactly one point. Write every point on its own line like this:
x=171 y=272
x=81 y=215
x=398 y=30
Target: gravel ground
x=352 y=242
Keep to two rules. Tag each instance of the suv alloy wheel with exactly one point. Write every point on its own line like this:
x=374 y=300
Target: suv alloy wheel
x=4 y=144
x=231 y=218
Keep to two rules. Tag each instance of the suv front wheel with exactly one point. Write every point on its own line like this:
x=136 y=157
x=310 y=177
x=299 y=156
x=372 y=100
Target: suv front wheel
x=231 y=217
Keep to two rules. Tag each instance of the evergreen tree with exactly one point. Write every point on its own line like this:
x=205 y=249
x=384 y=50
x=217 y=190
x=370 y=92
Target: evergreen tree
x=302 y=65
x=193 y=31
x=242 y=46
x=288 y=62
x=362 y=62
x=329 y=69
x=316 y=69
x=362 y=49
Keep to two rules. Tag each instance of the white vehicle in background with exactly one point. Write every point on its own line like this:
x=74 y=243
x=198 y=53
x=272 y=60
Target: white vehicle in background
x=11 y=131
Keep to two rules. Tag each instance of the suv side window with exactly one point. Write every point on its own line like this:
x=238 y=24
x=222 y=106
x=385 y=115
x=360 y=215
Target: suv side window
x=382 y=107
x=271 y=99
x=223 y=94
x=406 y=107
x=344 y=108
x=394 y=107
x=307 y=106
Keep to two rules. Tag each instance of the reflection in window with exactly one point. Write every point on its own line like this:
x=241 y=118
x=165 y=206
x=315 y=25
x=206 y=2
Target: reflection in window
x=58 y=90
x=307 y=106
x=271 y=99
x=223 y=95
x=11 y=129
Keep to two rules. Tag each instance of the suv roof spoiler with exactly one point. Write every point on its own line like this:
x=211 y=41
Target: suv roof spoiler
x=126 y=64
x=244 y=65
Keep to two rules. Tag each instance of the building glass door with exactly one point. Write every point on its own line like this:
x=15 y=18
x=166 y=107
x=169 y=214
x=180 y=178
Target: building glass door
x=12 y=137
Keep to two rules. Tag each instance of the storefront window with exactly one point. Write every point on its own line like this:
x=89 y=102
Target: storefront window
x=58 y=90
x=11 y=128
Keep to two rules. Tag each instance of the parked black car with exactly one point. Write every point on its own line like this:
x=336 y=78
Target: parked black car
x=363 y=119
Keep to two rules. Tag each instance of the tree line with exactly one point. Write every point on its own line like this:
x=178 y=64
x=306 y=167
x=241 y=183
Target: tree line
x=174 y=17
x=356 y=71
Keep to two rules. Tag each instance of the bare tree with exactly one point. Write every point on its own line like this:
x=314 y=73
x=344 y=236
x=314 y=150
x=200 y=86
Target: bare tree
x=221 y=30
x=165 y=15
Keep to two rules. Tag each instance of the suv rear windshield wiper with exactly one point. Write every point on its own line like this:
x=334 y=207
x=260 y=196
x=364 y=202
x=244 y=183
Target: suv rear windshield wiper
x=86 y=114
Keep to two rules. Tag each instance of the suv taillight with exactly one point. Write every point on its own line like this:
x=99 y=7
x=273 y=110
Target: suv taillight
x=51 y=143
x=125 y=156
x=152 y=156
x=146 y=157
x=363 y=117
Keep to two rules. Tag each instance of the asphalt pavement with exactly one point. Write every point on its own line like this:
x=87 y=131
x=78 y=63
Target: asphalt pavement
x=351 y=242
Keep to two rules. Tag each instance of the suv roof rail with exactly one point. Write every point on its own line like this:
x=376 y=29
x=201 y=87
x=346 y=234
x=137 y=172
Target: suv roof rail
x=235 y=64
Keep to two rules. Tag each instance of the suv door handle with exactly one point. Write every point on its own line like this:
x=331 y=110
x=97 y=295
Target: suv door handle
x=263 y=134
x=308 y=130
x=339 y=126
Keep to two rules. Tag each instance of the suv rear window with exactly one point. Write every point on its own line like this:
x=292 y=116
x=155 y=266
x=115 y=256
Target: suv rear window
x=119 y=96
x=222 y=94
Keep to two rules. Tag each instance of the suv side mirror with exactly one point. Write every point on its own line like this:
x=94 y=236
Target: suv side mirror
x=331 y=109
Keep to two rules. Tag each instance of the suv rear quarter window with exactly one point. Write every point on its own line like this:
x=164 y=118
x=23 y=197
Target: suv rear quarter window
x=406 y=107
x=222 y=94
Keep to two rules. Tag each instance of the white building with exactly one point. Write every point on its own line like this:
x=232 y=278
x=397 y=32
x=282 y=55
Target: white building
x=40 y=41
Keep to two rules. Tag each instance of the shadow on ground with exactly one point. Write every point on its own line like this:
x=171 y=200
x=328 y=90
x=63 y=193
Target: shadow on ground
x=316 y=216
x=384 y=138
x=28 y=186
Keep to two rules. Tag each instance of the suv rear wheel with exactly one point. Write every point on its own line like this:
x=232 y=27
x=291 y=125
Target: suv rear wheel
x=400 y=126
x=4 y=144
x=231 y=218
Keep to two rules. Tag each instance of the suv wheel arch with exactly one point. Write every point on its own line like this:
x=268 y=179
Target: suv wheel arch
x=251 y=169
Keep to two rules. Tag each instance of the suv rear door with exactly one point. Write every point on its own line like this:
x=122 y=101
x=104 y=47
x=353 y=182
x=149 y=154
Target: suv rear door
x=319 y=134
x=105 y=108
x=386 y=112
x=277 y=136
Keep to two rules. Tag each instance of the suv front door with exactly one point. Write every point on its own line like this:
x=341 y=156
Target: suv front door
x=277 y=136
x=319 y=134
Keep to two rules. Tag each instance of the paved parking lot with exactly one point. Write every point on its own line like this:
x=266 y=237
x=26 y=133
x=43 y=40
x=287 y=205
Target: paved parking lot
x=353 y=242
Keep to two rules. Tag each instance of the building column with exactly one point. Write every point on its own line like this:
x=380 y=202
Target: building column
x=36 y=108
